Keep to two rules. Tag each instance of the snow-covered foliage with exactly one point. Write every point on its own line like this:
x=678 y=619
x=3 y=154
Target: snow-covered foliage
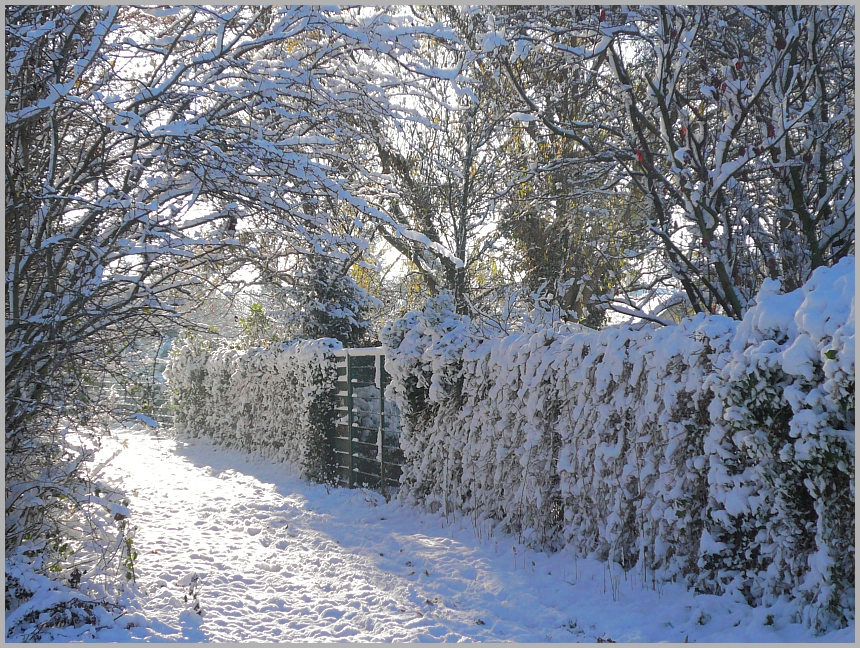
x=322 y=301
x=276 y=401
x=715 y=451
x=81 y=570
x=780 y=512
x=727 y=131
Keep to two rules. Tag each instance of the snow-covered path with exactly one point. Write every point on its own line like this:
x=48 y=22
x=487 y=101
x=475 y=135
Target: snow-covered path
x=279 y=560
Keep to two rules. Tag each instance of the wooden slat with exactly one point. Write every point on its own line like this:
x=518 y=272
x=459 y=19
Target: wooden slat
x=358 y=352
x=366 y=429
x=341 y=447
x=365 y=465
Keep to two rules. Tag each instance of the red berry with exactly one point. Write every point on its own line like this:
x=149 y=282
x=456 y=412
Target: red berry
x=724 y=86
x=739 y=65
x=639 y=156
x=602 y=15
x=683 y=131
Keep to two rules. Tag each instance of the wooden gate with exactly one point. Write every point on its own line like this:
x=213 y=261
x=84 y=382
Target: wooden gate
x=365 y=440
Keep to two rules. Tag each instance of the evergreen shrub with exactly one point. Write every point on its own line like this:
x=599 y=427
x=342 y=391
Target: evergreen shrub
x=277 y=402
x=716 y=452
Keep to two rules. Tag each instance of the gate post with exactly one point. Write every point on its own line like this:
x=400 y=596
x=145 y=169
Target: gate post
x=349 y=418
x=380 y=437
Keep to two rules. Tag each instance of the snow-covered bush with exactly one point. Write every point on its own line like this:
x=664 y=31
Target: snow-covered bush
x=423 y=358
x=632 y=466
x=780 y=516
x=563 y=436
x=716 y=451
x=278 y=402
x=78 y=574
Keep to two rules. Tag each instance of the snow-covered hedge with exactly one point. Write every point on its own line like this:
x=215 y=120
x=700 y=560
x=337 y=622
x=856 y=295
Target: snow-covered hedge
x=716 y=451
x=278 y=402
x=780 y=512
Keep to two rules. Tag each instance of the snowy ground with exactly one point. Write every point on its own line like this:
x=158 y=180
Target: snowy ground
x=279 y=560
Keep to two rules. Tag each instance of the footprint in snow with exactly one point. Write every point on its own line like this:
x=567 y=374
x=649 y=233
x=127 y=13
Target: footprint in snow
x=268 y=567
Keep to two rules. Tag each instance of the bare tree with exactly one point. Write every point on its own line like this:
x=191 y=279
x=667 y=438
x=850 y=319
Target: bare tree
x=448 y=169
x=734 y=123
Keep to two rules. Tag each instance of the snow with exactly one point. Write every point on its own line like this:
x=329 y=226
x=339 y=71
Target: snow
x=418 y=237
x=281 y=560
x=493 y=41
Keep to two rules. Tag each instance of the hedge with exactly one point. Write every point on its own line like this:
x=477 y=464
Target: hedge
x=276 y=402
x=716 y=452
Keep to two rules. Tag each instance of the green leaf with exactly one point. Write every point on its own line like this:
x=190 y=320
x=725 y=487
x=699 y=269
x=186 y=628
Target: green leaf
x=830 y=355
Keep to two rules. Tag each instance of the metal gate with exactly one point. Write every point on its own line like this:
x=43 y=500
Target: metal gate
x=365 y=440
